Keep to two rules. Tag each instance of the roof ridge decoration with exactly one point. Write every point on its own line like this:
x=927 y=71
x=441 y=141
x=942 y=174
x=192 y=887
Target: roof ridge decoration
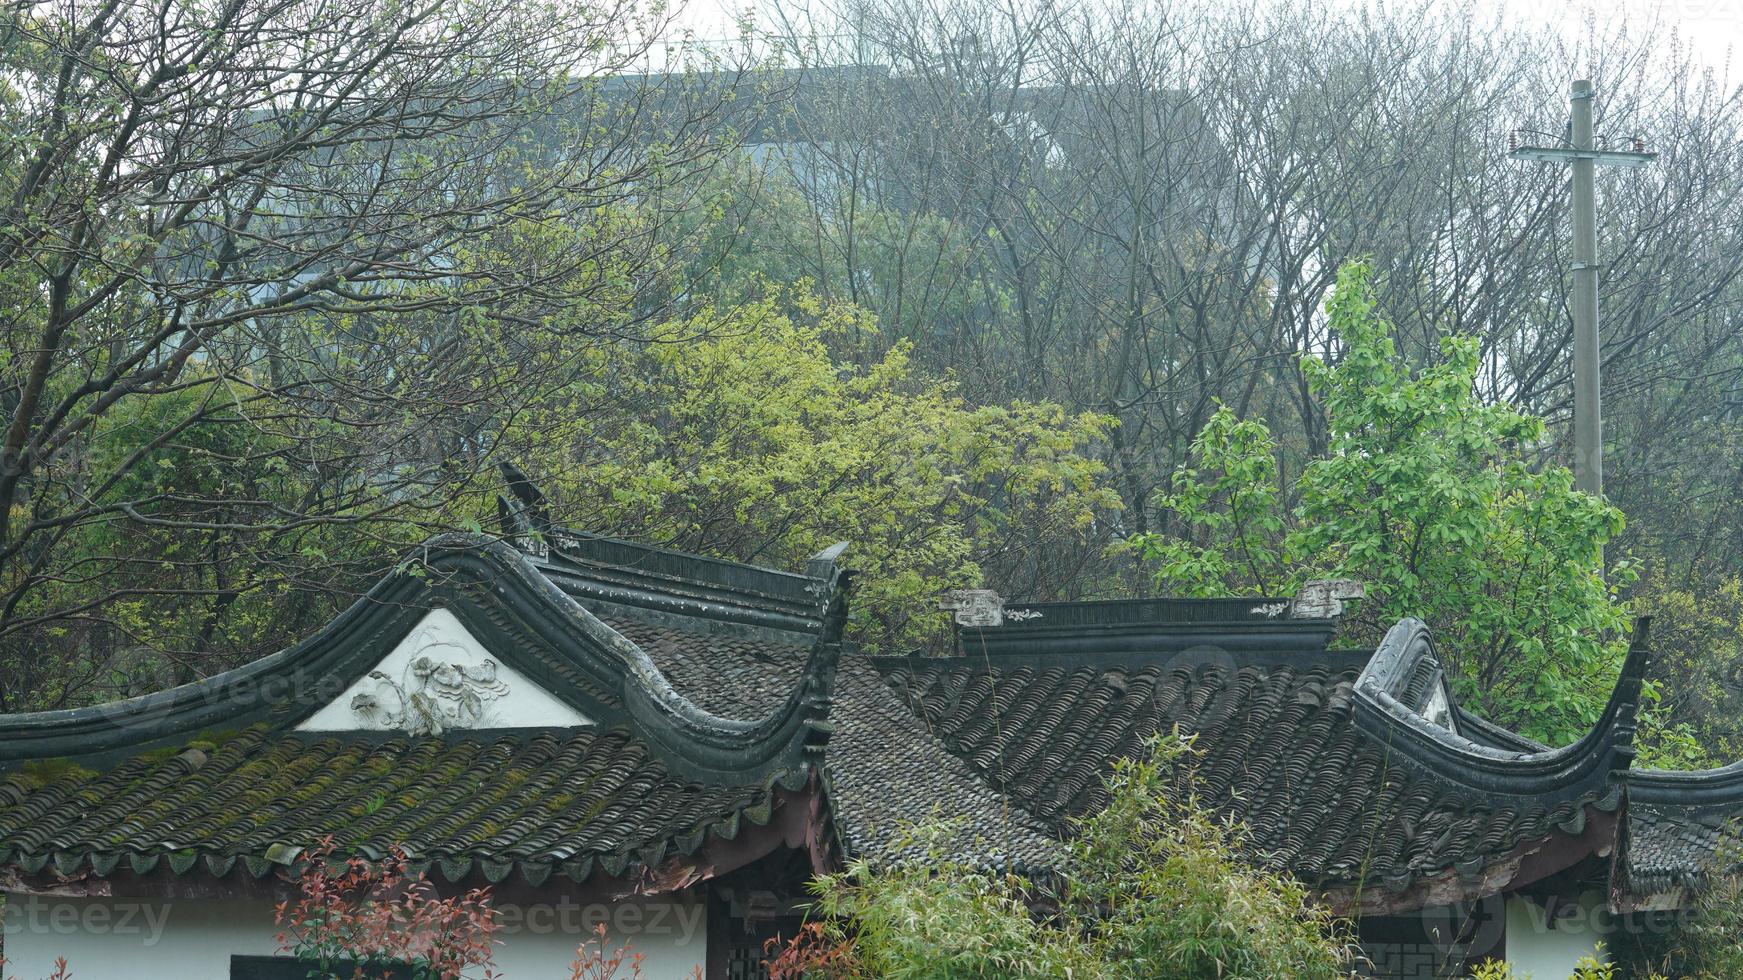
x=505 y=600
x=1591 y=764
x=662 y=583
x=1138 y=631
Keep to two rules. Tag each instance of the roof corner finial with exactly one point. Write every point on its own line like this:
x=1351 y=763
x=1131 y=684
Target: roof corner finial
x=822 y=565
x=1637 y=660
x=531 y=498
x=523 y=520
x=1624 y=710
x=1324 y=598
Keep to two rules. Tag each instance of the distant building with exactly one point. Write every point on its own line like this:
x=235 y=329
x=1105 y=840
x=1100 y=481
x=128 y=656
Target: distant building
x=670 y=744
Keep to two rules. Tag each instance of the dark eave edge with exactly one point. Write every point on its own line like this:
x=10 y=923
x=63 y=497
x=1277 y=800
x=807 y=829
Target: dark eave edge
x=1531 y=860
x=1589 y=765
x=492 y=588
x=1720 y=788
x=709 y=845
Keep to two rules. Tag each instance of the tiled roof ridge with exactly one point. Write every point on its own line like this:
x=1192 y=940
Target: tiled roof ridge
x=1142 y=631
x=1150 y=609
x=1717 y=787
x=973 y=659
x=697 y=587
x=1595 y=763
x=664 y=581
x=495 y=590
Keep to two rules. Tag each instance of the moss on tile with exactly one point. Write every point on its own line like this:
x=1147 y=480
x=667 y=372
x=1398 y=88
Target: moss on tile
x=42 y=773
x=444 y=797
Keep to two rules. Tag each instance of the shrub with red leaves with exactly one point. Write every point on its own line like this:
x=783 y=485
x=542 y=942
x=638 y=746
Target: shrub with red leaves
x=812 y=954
x=594 y=962
x=374 y=913
x=60 y=970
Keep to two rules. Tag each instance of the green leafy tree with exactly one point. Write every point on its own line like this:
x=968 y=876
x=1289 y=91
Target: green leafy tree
x=1437 y=502
x=1230 y=523
x=254 y=335
x=1697 y=646
x=743 y=433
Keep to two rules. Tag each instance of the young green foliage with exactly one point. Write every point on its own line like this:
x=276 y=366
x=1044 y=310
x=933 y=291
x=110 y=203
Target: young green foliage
x=1162 y=888
x=1154 y=886
x=1433 y=499
x=746 y=434
x=1697 y=655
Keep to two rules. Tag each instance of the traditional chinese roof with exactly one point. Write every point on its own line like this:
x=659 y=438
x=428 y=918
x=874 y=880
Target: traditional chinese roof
x=216 y=777
x=714 y=700
x=1329 y=756
x=1683 y=829
x=464 y=805
x=883 y=770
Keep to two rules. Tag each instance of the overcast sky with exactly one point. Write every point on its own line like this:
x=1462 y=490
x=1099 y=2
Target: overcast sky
x=1714 y=28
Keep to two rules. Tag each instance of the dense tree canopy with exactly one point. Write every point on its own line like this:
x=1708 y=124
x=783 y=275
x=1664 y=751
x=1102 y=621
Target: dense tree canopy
x=263 y=300
x=1069 y=300
x=743 y=433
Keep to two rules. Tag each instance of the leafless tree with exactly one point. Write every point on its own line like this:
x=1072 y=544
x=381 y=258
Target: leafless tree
x=1145 y=206
x=276 y=273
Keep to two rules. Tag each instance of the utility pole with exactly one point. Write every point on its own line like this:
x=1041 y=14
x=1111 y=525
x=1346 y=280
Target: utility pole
x=1588 y=413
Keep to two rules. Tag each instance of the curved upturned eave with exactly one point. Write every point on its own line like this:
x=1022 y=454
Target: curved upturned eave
x=463 y=573
x=1587 y=766
x=1717 y=787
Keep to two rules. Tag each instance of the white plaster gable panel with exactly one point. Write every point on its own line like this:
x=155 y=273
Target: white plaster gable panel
x=1438 y=709
x=440 y=678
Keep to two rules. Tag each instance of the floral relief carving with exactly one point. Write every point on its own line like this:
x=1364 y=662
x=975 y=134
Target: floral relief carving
x=434 y=693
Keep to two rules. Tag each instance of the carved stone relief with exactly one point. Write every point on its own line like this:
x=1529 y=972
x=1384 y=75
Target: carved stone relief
x=440 y=678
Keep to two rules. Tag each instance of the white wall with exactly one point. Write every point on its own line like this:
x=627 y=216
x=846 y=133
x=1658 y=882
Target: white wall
x=193 y=939
x=1542 y=951
x=509 y=700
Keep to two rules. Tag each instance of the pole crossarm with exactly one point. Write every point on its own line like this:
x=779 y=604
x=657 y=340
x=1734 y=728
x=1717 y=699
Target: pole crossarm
x=1604 y=158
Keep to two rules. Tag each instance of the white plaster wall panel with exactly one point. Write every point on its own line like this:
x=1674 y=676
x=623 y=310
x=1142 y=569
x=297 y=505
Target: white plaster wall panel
x=193 y=939
x=440 y=677
x=1543 y=950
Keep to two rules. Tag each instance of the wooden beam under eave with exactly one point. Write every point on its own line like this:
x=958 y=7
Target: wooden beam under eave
x=1529 y=862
